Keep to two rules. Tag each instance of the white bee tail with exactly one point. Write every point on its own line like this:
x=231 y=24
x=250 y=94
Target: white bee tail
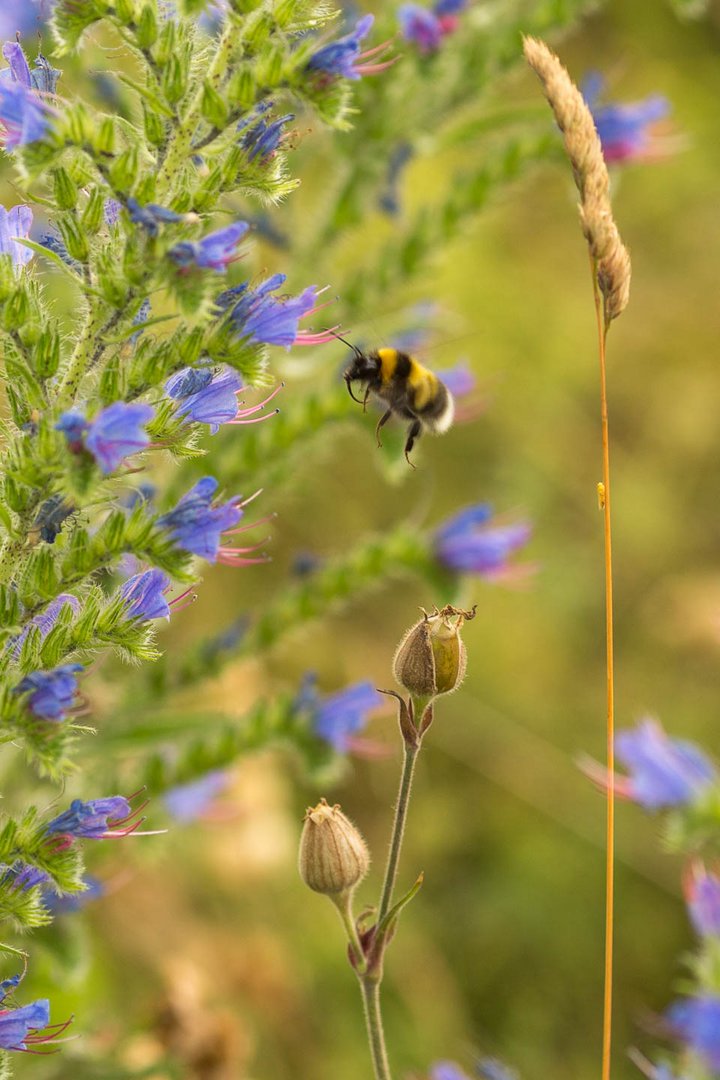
x=440 y=424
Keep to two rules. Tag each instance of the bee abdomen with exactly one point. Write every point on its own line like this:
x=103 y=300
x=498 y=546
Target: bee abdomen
x=438 y=414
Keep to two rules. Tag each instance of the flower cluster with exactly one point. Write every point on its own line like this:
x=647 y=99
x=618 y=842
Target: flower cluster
x=208 y=397
x=625 y=130
x=338 y=718
x=469 y=543
x=254 y=316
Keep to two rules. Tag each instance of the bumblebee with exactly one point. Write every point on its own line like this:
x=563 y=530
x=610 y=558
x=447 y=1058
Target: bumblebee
x=409 y=390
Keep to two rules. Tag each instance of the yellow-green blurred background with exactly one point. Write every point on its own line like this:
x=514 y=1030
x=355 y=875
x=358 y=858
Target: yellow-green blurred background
x=208 y=942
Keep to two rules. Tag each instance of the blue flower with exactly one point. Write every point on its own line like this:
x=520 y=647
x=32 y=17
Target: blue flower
x=702 y=893
x=20 y=15
x=22 y=877
x=205 y=397
x=696 y=1020
x=339 y=57
x=188 y=802
x=339 y=717
x=664 y=772
x=25 y=117
x=14 y=225
x=624 y=130
x=145 y=595
x=24 y=1025
x=53 y=692
x=116 y=432
x=150 y=217
x=57 y=246
x=111 y=211
x=196 y=525
x=421 y=26
x=447 y=1070
x=213 y=252
x=71 y=902
x=468 y=543
x=19 y=68
x=92 y=820
x=261 y=318
x=262 y=138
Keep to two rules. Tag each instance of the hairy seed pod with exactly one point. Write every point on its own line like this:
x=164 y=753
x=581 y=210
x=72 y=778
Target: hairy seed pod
x=333 y=855
x=431 y=658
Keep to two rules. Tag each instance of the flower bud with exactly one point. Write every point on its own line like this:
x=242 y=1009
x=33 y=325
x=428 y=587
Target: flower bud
x=431 y=658
x=333 y=855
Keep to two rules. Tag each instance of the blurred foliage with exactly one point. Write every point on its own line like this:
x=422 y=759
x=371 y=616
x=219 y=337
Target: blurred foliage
x=206 y=949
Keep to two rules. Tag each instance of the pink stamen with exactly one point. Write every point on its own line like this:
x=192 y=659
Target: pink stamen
x=257 y=420
x=250 y=525
x=244 y=550
x=232 y=560
x=382 y=47
x=261 y=405
x=188 y=603
x=375 y=69
x=305 y=337
x=250 y=498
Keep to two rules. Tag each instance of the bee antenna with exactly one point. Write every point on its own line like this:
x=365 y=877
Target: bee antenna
x=345 y=342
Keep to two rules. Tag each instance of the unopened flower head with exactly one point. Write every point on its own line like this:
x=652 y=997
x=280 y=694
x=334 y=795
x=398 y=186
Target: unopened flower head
x=333 y=855
x=431 y=657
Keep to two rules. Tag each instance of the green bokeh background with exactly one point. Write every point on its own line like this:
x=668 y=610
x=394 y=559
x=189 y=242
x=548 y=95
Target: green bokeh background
x=501 y=953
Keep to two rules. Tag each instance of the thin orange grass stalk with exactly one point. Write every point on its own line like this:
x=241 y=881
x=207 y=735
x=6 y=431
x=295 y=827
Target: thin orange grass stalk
x=610 y=264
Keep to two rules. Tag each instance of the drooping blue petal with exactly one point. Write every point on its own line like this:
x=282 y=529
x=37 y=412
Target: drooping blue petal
x=338 y=57
x=91 y=819
x=145 y=595
x=53 y=692
x=23 y=114
x=214 y=403
x=196 y=525
x=116 y=432
x=213 y=252
x=17 y=1024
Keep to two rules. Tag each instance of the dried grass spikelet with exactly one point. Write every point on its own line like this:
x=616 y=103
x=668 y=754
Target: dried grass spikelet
x=582 y=144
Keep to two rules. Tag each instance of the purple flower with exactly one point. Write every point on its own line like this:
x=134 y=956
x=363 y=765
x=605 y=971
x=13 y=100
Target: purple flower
x=213 y=252
x=261 y=318
x=22 y=877
x=702 y=893
x=96 y=819
x=24 y=116
x=447 y=1070
x=188 y=802
x=150 y=217
x=664 y=772
x=262 y=138
x=116 y=432
x=53 y=692
x=339 y=717
x=15 y=225
x=421 y=26
x=196 y=525
x=20 y=15
x=468 y=543
x=339 y=57
x=71 y=902
x=624 y=130
x=24 y=1025
x=696 y=1020
x=19 y=68
x=112 y=211
x=205 y=397
x=145 y=595
x=46 y=620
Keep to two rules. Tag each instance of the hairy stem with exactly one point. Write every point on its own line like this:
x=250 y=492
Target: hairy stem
x=373 y=1018
x=401 y=808
x=602 y=328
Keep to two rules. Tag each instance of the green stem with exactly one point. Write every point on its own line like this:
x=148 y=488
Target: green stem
x=373 y=1018
x=401 y=808
x=344 y=905
x=86 y=345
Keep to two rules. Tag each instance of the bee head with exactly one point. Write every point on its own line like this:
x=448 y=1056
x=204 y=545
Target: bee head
x=364 y=367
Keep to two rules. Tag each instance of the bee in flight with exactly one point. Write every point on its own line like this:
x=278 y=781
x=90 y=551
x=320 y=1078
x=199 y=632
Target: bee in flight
x=406 y=387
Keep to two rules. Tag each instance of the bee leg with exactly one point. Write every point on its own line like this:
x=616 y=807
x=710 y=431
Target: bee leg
x=413 y=432
x=365 y=399
x=383 y=420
